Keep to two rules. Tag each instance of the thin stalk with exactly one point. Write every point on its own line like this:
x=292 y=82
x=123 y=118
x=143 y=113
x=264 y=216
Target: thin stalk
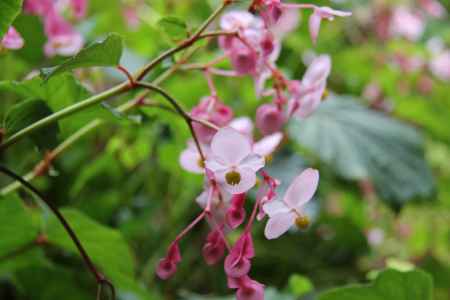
x=99 y=277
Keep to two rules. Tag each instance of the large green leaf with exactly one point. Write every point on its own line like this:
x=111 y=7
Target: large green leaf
x=107 y=248
x=389 y=285
x=99 y=54
x=17 y=229
x=26 y=113
x=360 y=143
x=9 y=9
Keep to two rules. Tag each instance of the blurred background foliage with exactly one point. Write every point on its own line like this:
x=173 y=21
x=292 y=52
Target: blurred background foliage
x=383 y=201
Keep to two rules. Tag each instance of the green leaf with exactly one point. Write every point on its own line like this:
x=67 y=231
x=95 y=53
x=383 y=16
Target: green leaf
x=107 y=248
x=360 y=143
x=174 y=27
x=17 y=229
x=9 y=9
x=26 y=113
x=389 y=285
x=99 y=54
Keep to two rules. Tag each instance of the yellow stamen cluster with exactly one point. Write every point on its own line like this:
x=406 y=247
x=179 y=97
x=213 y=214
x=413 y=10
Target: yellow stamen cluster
x=233 y=178
x=302 y=222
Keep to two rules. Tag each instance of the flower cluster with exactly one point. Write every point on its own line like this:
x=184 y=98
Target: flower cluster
x=224 y=150
x=62 y=38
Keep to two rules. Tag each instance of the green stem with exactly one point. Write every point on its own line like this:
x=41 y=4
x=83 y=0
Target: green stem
x=64 y=113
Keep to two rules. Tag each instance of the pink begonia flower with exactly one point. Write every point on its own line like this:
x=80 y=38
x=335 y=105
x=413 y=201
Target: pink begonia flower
x=236 y=212
x=168 y=265
x=213 y=110
x=237 y=263
x=214 y=248
x=407 y=24
x=269 y=118
x=12 y=40
x=62 y=37
x=190 y=158
x=307 y=94
x=233 y=162
x=79 y=8
x=433 y=8
x=247 y=288
x=283 y=214
x=440 y=66
x=320 y=13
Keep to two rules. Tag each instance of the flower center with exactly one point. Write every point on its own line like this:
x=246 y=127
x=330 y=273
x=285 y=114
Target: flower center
x=233 y=178
x=201 y=163
x=302 y=222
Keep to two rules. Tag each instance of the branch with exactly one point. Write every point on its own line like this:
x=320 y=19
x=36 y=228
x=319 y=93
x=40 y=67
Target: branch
x=99 y=277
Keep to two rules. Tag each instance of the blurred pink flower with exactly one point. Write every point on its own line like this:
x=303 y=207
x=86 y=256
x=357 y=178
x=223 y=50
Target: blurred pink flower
x=283 y=214
x=12 y=40
x=79 y=8
x=62 y=37
x=433 y=8
x=440 y=65
x=320 y=13
x=407 y=24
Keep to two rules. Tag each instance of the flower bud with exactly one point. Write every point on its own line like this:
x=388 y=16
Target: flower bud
x=269 y=119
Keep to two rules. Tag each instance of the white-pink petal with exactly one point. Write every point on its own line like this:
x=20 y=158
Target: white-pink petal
x=190 y=161
x=279 y=224
x=253 y=162
x=275 y=207
x=267 y=145
x=244 y=125
x=230 y=146
x=302 y=189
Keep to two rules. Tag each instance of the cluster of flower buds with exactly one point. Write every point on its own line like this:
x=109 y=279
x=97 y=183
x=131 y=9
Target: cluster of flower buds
x=224 y=149
x=62 y=38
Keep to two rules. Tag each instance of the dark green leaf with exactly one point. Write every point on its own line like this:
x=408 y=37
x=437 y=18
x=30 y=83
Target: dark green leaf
x=360 y=143
x=99 y=54
x=26 y=113
x=174 y=27
x=106 y=246
x=389 y=285
x=9 y=9
x=17 y=229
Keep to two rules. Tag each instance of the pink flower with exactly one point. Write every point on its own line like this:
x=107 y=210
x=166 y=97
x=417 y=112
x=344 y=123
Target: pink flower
x=12 y=40
x=440 y=66
x=214 y=248
x=79 y=8
x=283 y=214
x=237 y=263
x=407 y=24
x=233 y=162
x=433 y=8
x=168 y=265
x=269 y=118
x=213 y=110
x=190 y=158
x=307 y=94
x=236 y=212
x=62 y=38
x=247 y=288
x=320 y=13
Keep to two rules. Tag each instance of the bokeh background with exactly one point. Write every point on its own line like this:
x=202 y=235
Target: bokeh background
x=381 y=141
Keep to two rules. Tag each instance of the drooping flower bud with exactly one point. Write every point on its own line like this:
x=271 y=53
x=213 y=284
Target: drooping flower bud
x=214 y=248
x=237 y=263
x=269 y=119
x=236 y=213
